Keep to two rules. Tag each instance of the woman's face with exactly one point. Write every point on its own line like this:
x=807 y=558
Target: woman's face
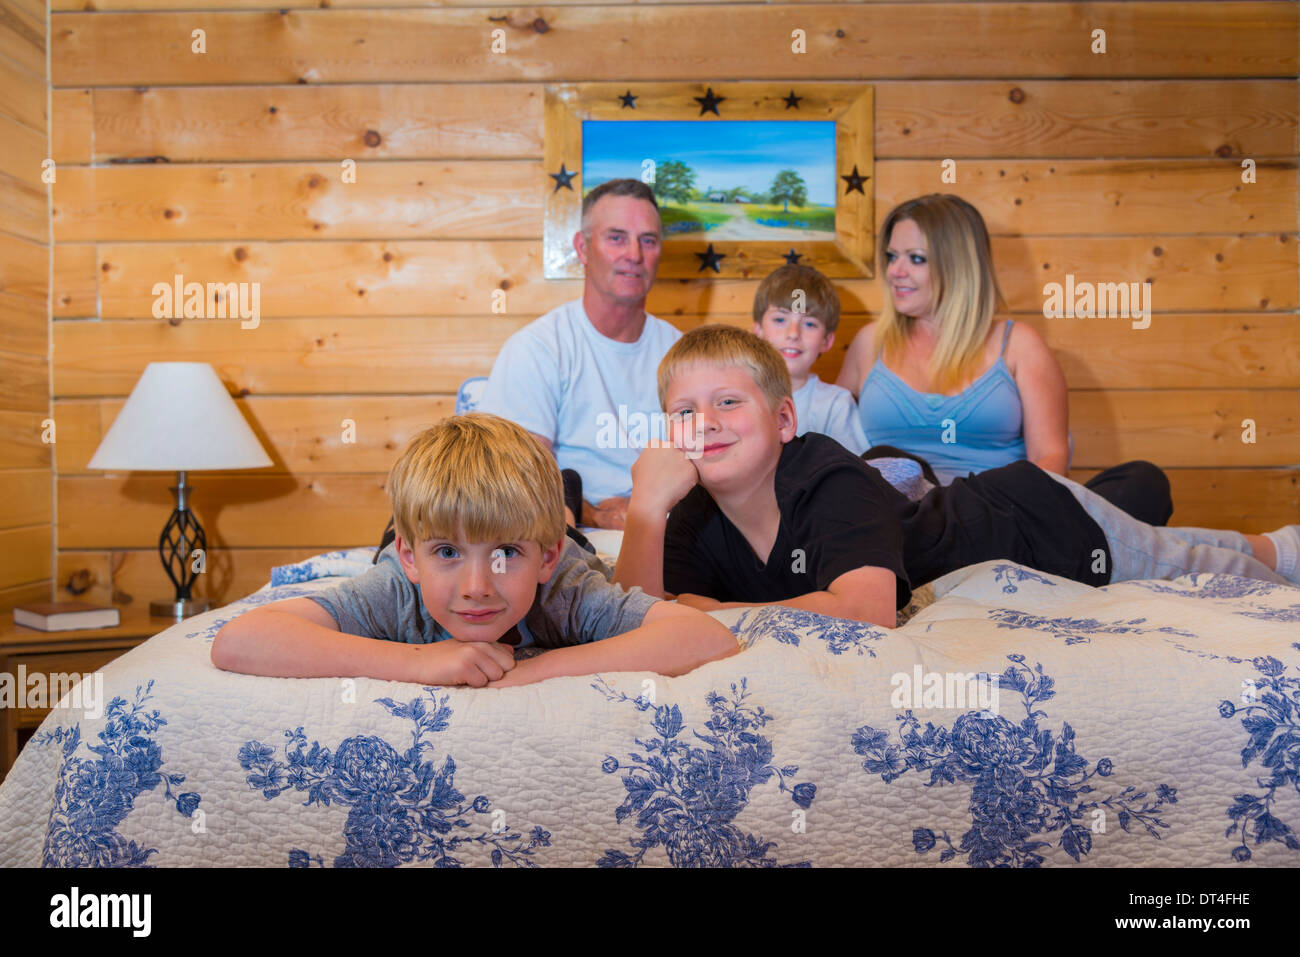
x=907 y=271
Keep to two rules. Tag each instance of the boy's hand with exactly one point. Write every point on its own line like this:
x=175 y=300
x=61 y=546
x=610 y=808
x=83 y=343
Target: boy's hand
x=473 y=663
x=609 y=513
x=526 y=672
x=661 y=476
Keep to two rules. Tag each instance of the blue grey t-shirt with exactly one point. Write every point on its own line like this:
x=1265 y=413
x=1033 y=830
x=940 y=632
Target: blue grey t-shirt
x=577 y=605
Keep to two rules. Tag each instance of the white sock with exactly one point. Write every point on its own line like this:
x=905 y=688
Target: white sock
x=1286 y=541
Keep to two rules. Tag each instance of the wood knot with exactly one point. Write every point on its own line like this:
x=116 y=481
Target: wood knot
x=271 y=109
x=839 y=34
x=388 y=257
x=372 y=138
x=79 y=581
x=1157 y=251
x=1016 y=95
x=313 y=181
x=1223 y=151
x=240 y=254
x=174 y=321
x=169 y=213
x=540 y=25
x=505 y=284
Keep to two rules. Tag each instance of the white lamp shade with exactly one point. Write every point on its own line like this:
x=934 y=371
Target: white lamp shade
x=179 y=417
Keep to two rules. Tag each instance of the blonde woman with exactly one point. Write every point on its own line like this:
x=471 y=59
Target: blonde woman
x=941 y=377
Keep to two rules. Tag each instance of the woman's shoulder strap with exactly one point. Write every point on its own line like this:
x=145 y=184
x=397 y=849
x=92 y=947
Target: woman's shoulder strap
x=1006 y=333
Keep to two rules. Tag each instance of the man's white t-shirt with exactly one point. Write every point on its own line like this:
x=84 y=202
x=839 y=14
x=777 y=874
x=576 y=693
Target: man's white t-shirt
x=830 y=410
x=596 y=399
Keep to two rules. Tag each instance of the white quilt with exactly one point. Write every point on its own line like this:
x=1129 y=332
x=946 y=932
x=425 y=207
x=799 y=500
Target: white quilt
x=1147 y=723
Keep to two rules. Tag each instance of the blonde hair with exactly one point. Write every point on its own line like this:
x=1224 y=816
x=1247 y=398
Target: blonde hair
x=962 y=281
x=728 y=346
x=780 y=285
x=480 y=476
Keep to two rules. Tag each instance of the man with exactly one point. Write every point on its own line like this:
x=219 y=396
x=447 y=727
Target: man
x=582 y=377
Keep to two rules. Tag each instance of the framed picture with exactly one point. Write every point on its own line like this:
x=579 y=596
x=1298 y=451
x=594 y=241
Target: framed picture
x=748 y=176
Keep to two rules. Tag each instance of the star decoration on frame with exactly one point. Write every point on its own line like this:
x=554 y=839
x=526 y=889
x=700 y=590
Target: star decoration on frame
x=854 y=181
x=628 y=100
x=709 y=103
x=792 y=258
x=563 y=178
x=792 y=101
x=710 y=259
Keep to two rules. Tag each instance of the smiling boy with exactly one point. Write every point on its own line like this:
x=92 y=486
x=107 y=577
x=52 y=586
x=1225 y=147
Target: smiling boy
x=761 y=515
x=481 y=565
x=797 y=311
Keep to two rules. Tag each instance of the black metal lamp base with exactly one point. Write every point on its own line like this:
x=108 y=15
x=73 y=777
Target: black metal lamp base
x=183 y=550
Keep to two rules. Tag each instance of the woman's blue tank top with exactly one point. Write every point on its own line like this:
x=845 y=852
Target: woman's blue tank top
x=980 y=428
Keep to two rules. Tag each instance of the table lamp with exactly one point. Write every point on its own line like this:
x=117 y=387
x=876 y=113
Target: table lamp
x=179 y=418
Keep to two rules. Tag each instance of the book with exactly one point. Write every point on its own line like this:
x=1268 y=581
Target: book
x=66 y=616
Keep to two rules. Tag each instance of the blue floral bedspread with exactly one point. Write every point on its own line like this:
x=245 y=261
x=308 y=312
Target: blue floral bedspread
x=1020 y=720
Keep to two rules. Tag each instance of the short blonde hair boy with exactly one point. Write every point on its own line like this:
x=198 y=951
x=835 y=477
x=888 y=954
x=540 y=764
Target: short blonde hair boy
x=726 y=345
x=480 y=476
x=780 y=285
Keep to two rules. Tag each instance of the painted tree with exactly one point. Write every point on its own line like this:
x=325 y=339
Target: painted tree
x=673 y=181
x=788 y=187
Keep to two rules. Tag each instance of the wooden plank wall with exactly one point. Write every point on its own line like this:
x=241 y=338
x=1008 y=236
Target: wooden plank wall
x=226 y=166
x=26 y=462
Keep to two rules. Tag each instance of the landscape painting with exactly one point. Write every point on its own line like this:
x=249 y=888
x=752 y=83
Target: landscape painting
x=765 y=180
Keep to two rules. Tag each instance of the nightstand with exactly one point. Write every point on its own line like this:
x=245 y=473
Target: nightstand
x=81 y=651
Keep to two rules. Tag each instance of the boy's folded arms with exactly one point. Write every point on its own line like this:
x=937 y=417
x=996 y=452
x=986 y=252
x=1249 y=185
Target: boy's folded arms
x=297 y=638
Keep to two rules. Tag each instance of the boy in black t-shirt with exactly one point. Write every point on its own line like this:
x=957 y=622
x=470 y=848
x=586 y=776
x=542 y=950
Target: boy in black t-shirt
x=759 y=515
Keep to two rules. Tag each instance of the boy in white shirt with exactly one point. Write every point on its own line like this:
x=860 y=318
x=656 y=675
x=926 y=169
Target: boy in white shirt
x=797 y=311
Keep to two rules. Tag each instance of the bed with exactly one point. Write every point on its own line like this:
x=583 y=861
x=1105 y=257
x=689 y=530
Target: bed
x=1014 y=720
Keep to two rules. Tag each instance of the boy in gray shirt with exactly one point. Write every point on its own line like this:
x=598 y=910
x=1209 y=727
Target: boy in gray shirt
x=481 y=565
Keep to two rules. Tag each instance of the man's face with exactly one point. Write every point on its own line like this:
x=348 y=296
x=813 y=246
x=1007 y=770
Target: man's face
x=622 y=255
x=477 y=591
x=799 y=337
x=738 y=435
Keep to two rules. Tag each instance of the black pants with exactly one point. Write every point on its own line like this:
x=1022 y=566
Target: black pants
x=1137 y=487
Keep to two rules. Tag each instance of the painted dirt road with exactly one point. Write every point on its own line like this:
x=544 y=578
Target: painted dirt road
x=740 y=226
